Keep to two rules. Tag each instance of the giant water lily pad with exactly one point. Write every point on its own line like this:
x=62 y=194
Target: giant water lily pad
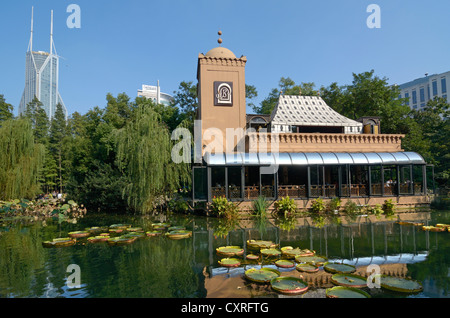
x=160 y=226
x=346 y=292
x=289 y=285
x=252 y=257
x=121 y=240
x=306 y=267
x=398 y=284
x=153 y=233
x=284 y=263
x=230 y=251
x=59 y=242
x=315 y=259
x=260 y=244
x=174 y=228
x=270 y=252
x=179 y=234
x=98 y=238
x=79 y=234
x=433 y=228
x=230 y=262
x=349 y=280
x=262 y=275
x=290 y=252
x=96 y=229
x=338 y=268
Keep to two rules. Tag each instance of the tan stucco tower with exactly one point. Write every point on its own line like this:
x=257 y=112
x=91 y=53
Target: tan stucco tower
x=221 y=97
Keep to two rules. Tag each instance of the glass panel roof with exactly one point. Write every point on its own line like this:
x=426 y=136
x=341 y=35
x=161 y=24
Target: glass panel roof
x=313 y=158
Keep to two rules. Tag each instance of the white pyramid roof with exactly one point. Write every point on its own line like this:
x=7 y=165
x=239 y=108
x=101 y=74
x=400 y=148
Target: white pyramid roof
x=308 y=111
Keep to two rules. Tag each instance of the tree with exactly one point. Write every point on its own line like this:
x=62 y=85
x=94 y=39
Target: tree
x=39 y=121
x=58 y=133
x=186 y=100
x=250 y=94
x=21 y=160
x=5 y=109
x=144 y=155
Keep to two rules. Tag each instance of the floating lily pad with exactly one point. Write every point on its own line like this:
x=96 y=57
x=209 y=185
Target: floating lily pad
x=339 y=268
x=398 y=284
x=121 y=240
x=179 y=234
x=346 y=292
x=96 y=229
x=260 y=244
x=270 y=252
x=230 y=262
x=349 y=280
x=153 y=233
x=306 y=267
x=316 y=259
x=293 y=252
x=59 y=242
x=134 y=234
x=79 y=234
x=262 y=275
x=160 y=226
x=98 y=238
x=134 y=229
x=433 y=228
x=289 y=285
x=284 y=263
x=230 y=251
x=119 y=226
x=252 y=257
x=174 y=228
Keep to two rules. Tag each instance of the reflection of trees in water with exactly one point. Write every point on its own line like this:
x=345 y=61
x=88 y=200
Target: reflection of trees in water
x=21 y=254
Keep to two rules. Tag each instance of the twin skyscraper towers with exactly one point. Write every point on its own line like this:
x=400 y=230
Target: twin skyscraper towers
x=41 y=76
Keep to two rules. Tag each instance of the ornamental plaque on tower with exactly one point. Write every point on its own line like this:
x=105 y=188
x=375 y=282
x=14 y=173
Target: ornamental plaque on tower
x=223 y=93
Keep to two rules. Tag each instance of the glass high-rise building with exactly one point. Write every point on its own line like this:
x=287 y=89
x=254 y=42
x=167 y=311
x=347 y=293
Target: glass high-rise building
x=41 y=77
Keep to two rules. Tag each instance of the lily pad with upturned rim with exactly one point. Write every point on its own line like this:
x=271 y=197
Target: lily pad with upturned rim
x=153 y=233
x=289 y=285
x=284 y=263
x=346 y=292
x=307 y=268
x=59 y=242
x=316 y=259
x=270 y=252
x=398 y=284
x=261 y=275
x=230 y=262
x=349 y=280
x=179 y=234
x=260 y=244
x=338 y=268
x=160 y=226
x=252 y=257
x=293 y=252
x=79 y=234
x=230 y=251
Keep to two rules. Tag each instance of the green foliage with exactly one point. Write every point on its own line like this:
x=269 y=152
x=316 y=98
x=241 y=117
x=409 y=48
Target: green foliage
x=389 y=208
x=260 y=207
x=285 y=207
x=318 y=206
x=6 y=110
x=333 y=205
x=351 y=208
x=21 y=160
x=221 y=207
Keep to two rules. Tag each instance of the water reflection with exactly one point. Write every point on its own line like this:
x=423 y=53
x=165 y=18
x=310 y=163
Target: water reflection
x=157 y=267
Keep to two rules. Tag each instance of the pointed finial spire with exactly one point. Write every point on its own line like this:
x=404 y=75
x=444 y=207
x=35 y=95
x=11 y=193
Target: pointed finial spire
x=30 y=45
x=219 y=40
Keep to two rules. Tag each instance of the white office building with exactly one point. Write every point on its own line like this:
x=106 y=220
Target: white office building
x=154 y=93
x=421 y=90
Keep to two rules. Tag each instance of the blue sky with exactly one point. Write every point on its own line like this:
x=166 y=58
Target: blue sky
x=124 y=44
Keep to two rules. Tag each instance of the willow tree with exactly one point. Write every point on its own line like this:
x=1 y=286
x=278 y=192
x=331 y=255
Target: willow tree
x=144 y=154
x=21 y=160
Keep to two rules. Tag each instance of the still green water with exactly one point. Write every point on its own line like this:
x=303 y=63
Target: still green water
x=158 y=267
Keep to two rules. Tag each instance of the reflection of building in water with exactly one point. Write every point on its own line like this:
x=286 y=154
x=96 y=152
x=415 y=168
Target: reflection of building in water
x=303 y=149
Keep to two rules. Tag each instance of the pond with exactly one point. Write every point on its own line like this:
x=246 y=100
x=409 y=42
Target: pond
x=160 y=267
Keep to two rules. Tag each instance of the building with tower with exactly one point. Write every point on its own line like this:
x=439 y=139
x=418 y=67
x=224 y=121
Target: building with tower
x=42 y=77
x=304 y=149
